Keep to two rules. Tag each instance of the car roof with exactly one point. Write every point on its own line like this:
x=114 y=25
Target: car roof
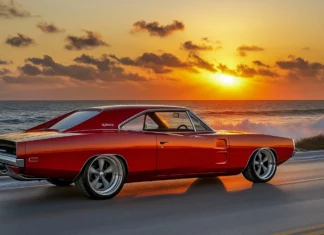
x=138 y=107
x=112 y=116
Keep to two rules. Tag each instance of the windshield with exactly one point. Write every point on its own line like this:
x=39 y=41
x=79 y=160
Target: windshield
x=73 y=120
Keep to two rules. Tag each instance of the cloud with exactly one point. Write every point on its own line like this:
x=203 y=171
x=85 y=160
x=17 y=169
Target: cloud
x=190 y=46
x=259 y=63
x=299 y=68
x=29 y=69
x=103 y=64
x=46 y=66
x=242 y=50
x=299 y=63
x=11 y=10
x=5 y=62
x=51 y=68
x=224 y=69
x=306 y=48
x=267 y=73
x=160 y=64
x=49 y=27
x=243 y=70
x=246 y=71
x=155 y=29
x=20 y=41
x=201 y=63
x=207 y=39
x=22 y=79
x=91 y=40
x=4 y=71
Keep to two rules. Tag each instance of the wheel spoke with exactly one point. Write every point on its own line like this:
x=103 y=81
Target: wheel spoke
x=92 y=170
x=260 y=156
x=265 y=159
x=265 y=169
x=94 y=182
x=259 y=171
x=256 y=163
x=105 y=182
x=109 y=169
x=101 y=164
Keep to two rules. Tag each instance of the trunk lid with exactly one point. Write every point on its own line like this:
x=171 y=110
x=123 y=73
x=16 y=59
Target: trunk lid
x=9 y=139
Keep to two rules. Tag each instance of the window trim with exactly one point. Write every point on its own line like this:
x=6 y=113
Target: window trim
x=188 y=115
x=208 y=128
x=188 y=111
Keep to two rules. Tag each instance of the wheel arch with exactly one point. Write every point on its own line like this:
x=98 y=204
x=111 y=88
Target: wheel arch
x=120 y=157
x=272 y=150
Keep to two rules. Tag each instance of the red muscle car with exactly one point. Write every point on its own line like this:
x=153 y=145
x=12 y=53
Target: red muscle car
x=99 y=149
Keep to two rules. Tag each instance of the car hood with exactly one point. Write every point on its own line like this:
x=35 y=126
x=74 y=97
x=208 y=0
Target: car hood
x=30 y=136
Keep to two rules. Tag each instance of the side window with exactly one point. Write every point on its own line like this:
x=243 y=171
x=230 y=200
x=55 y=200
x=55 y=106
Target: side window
x=168 y=121
x=135 y=124
x=197 y=123
x=150 y=124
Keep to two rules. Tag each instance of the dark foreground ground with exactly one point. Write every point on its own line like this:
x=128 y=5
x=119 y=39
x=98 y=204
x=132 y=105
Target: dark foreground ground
x=294 y=199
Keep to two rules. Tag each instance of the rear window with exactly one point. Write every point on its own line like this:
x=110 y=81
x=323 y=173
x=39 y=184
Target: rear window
x=74 y=119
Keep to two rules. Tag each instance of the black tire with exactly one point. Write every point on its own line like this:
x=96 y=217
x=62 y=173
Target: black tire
x=82 y=182
x=60 y=183
x=250 y=172
x=2 y=170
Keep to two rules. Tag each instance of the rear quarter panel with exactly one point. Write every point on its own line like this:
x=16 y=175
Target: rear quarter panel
x=64 y=157
x=243 y=146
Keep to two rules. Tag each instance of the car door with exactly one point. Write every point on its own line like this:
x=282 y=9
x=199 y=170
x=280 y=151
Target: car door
x=209 y=143
x=181 y=150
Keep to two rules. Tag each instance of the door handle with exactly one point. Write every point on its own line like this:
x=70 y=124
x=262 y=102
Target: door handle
x=163 y=142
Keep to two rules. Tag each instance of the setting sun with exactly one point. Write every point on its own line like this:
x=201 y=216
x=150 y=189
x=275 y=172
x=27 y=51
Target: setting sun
x=226 y=80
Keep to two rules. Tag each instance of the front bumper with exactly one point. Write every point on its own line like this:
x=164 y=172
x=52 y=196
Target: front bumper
x=8 y=159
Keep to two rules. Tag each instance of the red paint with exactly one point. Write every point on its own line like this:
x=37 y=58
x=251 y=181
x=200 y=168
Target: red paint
x=149 y=156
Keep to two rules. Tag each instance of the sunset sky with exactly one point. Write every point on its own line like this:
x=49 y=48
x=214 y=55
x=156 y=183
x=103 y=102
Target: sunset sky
x=170 y=49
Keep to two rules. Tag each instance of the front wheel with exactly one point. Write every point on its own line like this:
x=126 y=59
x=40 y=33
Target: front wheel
x=102 y=178
x=59 y=182
x=262 y=166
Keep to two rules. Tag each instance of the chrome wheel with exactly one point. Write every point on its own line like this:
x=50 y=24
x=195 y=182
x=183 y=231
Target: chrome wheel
x=105 y=175
x=264 y=164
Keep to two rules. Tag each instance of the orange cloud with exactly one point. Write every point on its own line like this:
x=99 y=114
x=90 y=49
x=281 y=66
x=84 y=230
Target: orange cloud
x=91 y=40
x=49 y=27
x=20 y=41
x=242 y=50
x=155 y=29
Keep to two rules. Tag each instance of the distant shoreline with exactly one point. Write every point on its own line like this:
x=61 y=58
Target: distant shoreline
x=314 y=143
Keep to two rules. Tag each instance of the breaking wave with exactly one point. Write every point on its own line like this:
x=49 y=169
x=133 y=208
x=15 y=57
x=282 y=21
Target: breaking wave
x=295 y=130
x=266 y=112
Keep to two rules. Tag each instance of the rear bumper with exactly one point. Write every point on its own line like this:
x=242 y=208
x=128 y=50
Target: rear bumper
x=13 y=167
x=7 y=159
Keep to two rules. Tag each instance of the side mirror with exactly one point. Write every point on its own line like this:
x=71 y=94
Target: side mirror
x=176 y=115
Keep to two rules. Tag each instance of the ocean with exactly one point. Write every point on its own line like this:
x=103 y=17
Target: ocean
x=294 y=119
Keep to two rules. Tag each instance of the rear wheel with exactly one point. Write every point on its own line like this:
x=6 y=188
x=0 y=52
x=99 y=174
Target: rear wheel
x=59 y=182
x=262 y=166
x=102 y=178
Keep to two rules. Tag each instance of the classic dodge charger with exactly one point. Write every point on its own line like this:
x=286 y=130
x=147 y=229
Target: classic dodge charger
x=99 y=149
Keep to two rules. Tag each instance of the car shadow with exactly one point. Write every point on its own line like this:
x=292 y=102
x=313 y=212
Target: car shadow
x=197 y=194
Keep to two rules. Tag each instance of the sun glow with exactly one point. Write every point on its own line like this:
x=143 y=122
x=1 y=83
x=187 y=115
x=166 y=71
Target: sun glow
x=227 y=80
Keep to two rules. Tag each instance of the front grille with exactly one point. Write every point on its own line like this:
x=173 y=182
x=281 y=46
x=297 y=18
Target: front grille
x=8 y=147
